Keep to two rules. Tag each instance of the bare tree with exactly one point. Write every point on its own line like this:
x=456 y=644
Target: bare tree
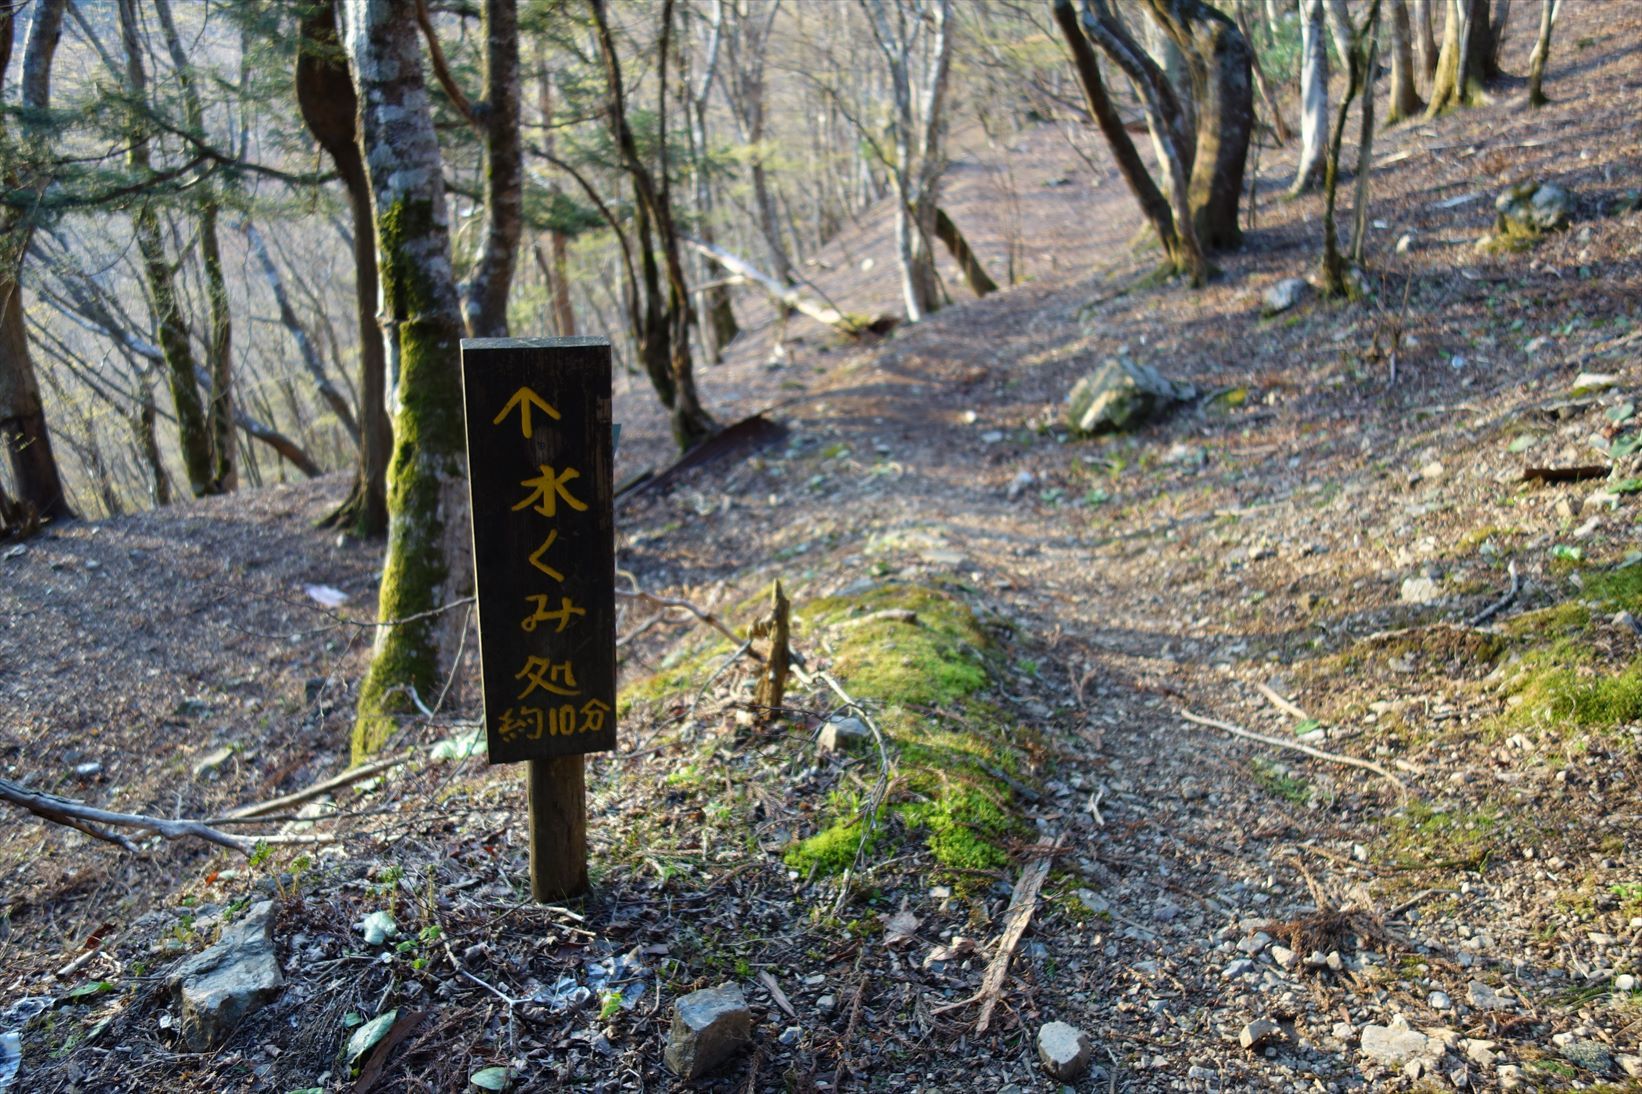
x=498 y=119
x=1313 y=97
x=1405 y=96
x=23 y=429
x=1461 y=66
x=908 y=33
x=1548 y=11
x=330 y=109
x=1359 y=64
x=665 y=333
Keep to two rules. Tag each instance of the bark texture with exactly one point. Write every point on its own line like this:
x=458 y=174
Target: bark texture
x=492 y=280
x=1405 y=96
x=426 y=565
x=1313 y=97
x=1542 y=52
x=330 y=109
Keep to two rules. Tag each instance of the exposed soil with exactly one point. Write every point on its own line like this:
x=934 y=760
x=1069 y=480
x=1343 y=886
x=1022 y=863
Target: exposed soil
x=1490 y=897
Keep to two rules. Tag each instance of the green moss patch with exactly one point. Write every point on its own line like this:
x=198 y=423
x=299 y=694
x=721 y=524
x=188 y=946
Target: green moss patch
x=930 y=659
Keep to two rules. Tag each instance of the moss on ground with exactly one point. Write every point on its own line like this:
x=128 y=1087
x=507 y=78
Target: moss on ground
x=918 y=657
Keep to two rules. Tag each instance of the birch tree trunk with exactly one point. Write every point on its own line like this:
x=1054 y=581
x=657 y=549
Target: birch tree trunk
x=330 y=108
x=23 y=430
x=1460 y=64
x=1313 y=97
x=1405 y=97
x=427 y=562
x=492 y=280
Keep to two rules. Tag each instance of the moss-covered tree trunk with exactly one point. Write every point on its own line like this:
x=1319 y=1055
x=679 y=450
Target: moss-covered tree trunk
x=23 y=431
x=330 y=109
x=427 y=563
x=1461 y=63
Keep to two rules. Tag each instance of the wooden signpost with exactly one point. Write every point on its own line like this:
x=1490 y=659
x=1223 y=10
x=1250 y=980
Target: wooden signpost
x=539 y=478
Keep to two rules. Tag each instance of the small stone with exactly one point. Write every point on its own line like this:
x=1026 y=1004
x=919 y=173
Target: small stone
x=1420 y=590
x=210 y=765
x=709 y=1026
x=1394 y=1044
x=1064 y=1050
x=1120 y=395
x=1432 y=471
x=1509 y=1077
x=1630 y=1065
x=1460 y=1077
x=826 y=1005
x=1255 y=943
x=1093 y=901
x=1334 y=961
x=1624 y=982
x=1020 y=484
x=1439 y=1001
x=1241 y=967
x=218 y=987
x=1284 y=295
x=790 y=1035
x=88 y=769
x=378 y=927
x=1259 y=1032
x=1587 y=383
x=1484 y=997
x=1317 y=960
x=1481 y=1053
x=838 y=732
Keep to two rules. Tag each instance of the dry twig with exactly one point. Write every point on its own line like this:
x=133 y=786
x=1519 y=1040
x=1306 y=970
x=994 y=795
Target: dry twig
x=97 y=822
x=1016 y=919
x=1281 y=703
x=324 y=786
x=1296 y=746
x=1502 y=603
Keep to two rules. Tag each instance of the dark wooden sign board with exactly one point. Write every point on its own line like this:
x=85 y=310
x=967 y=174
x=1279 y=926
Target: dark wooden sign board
x=539 y=479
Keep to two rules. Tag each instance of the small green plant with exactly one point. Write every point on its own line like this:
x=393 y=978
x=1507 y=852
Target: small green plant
x=609 y=1005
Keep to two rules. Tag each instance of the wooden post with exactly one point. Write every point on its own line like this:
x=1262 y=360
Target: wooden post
x=558 y=827
x=539 y=477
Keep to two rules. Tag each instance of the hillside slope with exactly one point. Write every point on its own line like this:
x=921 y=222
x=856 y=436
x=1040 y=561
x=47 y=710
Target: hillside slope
x=1322 y=529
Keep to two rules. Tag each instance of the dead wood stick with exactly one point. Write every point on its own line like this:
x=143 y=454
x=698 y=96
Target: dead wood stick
x=324 y=786
x=91 y=820
x=1502 y=603
x=1296 y=746
x=1281 y=703
x=665 y=602
x=1016 y=919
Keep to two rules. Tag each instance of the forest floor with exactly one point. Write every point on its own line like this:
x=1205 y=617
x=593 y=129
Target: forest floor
x=1308 y=552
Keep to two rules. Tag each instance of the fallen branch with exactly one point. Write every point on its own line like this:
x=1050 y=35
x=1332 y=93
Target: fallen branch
x=665 y=602
x=91 y=820
x=1502 y=603
x=1296 y=746
x=1566 y=474
x=786 y=295
x=1016 y=919
x=323 y=787
x=1281 y=703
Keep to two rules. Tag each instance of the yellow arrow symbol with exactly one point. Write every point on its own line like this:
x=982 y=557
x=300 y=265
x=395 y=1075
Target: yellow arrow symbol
x=524 y=399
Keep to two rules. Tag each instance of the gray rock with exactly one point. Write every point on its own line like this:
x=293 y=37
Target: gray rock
x=1630 y=1065
x=1420 y=590
x=1064 y=1050
x=1122 y=395
x=1527 y=211
x=838 y=731
x=218 y=987
x=1396 y=1043
x=1259 y=1032
x=1284 y=295
x=1484 y=997
x=709 y=1027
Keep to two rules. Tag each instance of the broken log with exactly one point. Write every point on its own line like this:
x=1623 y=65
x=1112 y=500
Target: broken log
x=788 y=295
